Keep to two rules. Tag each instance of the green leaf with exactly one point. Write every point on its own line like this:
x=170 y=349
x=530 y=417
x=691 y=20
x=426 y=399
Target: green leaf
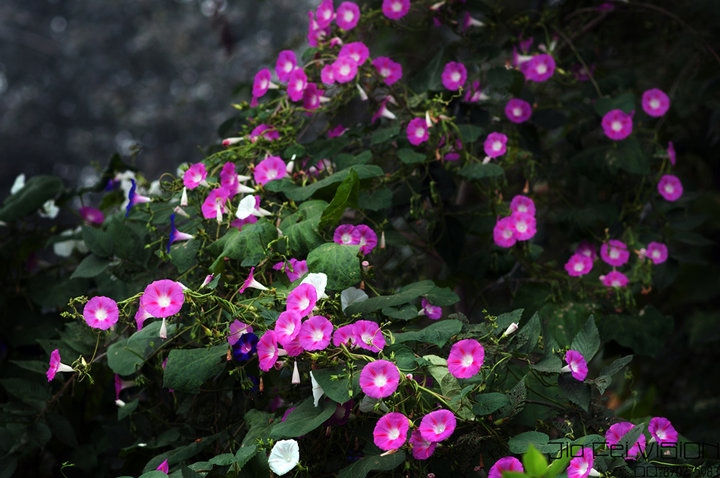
x=244 y=454
x=534 y=462
x=628 y=440
x=408 y=156
x=125 y=357
x=345 y=196
x=336 y=390
x=430 y=77
x=549 y=118
x=128 y=240
x=442 y=296
x=376 y=200
x=247 y=245
x=259 y=425
x=574 y=390
x=304 y=419
x=30 y=198
x=338 y=261
x=616 y=366
x=407 y=312
x=449 y=386
x=517 y=396
x=127 y=410
x=558 y=466
x=154 y=474
x=437 y=333
x=629 y=157
x=587 y=340
x=182 y=254
x=98 y=241
x=522 y=442
x=528 y=335
x=487 y=403
x=223 y=459
x=645 y=333
x=297 y=193
x=187 y=369
x=499 y=78
x=624 y=102
x=91 y=266
x=469 y=133
x=385 y=134
x=503 y=321
x=480 y=171
x=181 y=453
x=31 y=392
x=365 y=465
x=551 y=364
x=405 y=295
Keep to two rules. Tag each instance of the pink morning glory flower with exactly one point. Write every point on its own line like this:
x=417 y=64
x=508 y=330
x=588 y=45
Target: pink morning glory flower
x=617 y=125
x=379 y=379
x=337 y=131
x=176 y=235
x=369 y=336
x=391 y=431
x=251 y=283
x=164 y=467
x=264 y=131
x=239 y=223
x=395 y=9
x=347 y=15
x=578 y=265
x=438 y=425
x=671 y=153
x=101 y=312
x=422 y=449
x=587 y=249
x=269 y=169
x=163 y=298
x=287 y=326
x=582 y=466
x=430 y=311
x=344 y=335
x=194 y=176
x=383 y=111
x=522 y=203
x=344 y=69
x=466 y=358
x=357 y=50
x=267 y=350
x=495 y=144
x=324 y=13
x=662 y=430
x=294 y=269
x=56 y=365
x=302 y=299
x=454 y=75
x=315 y=333
x=389 y=70
x=518 y=111
x=214 y=205
x=615 y=434
x=297 y=81
x=539 y=68
x=286 y=63
x=365 y=237
x=229 y=179
x=134 y=198
x=417 y=131
x=576 y=365
x=140 y=316
x=91 y=215
x=655 y=102
x=508 y=463
x=327 y=76
x=614 y=279
x=474 y=93
x=261 y=82
x=311 y=97
x=524 y=225
x=237 y=330
x=670 y=187
x=504 y=233
x=657 y=252
x=614 y=253
x=315 y=32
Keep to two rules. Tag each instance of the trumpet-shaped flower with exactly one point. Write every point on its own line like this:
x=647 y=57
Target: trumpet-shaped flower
x=662 y=430
x=214 y=205
x=508 y=463
x=430 y=311
x=347 y=15
x=344 y=69
x=176 y=235
x=495 y=145
x=670 y=187
x=302 y=299
x=140 y=316
x=101 y=312
x=422 y=449
x=524 y=225
x=438 y=425
x=344 y=234
x=657 y=252
x=614 y=253
x=617 y=125
x=614 y=279
x=504 y=233
x=267 y=350
x=389 y=70
x=311 y=97
x=615 y=433
x=379 y=379
x=454 y=75
x=294 y=269
x=264 y=131
x=319 y=281
x=655 y=102
x=164 y=467
x=269 y=169
x=327 y=76
x=239 y=223
x=671 y=153
x=163 y=298
x=56 y=365
x=578 y=265
x=237 y=330
x=395 y=9
x=357 y=50
x=297 y=81
x=134 y=198
x=539 y=68
x=286 y=63
x=587 y=249
x=91 y=215
x=287 y=327
x=369 y=336
x=285 y=454
x=391 y=431
x=466 y=358
x=582 y=466
x=518 y=111
x=365 y=237
x=522 y=203
x=251 y=283
x=344 y=335
x=261 y=83
x=417 y=131
x=293 y=348
x=576 y=365
x=315 y=333
x=245 y=347
x=324 y=13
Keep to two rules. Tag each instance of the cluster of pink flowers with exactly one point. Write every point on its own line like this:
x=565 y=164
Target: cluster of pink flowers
x=391 y=431
x=581 y=262
x=519 y=226
x=294 y=268
x=360 y=235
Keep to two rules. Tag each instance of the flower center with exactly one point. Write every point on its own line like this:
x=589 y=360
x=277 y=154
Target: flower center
x=393 y=433
x=455 y=76
x=507 y=233
x=381 y=380
x=614 y=254
x=346 y=238
x=385 y=72
x=345 y=70
x=656 y=254
x=163 y=301
x=287 y=67
x=497 y=146
x=669 y=189
x=101 y=314
x=517 y=112
x=304 y=303
x=396 y=7
x=541 y=69
x=467 y=360
x=439 y=428
x=419 y=132
x=654 y=104
x=616 y=126
x=348 y=16
x=272 y=173
x=317 y=335
x=578 y=266
x=616 y=283
x=521 y=226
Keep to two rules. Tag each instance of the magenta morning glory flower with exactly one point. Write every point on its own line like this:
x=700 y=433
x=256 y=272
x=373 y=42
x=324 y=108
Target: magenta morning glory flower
x=670 y=187
x=134 y=198
x=466 y=358
x=229 y=179
x=311 y=97
x=239 y=223
x=101 y=312
x=671 y=153
x=56 y=365
x=582 y=466
x=163 y=298
x=614 y=253
x=662 y=430
x=214 y=205
x=176 y=235
x=315 y=32
x=657 y=252
x=194 y=176
x=251 y=283
x=287 y=326
x=417 y=131
x=286 y=63
x=267 y=350
x=389 y=70
x=269 y=169
x=315 y=333
x=438 y=425
x=383 y=111
x=430 y=311
x=365 y=237
x=614 y=279
x=508 y=463
x=539 y=68
x=91 y=215
x=474 y=93
x=261 y=82
x=615 y=434
x=518 y=111
x=504 y=233
x=655 y=102
x=422 y=449
x=379 y=379
x=390 y=431
x=344 y=335
x=344 y=69
x=297 y=81
x=369 y=336
x=395 y=9
x=164 y=467
x=576 y=365
x=454 y=75
x=264 y=131
x=140 y=316
x=522 y=203
x=495 y=144
x=617 y=125
x=587 y=249
x=302 y=299
x=578 y=265
x=357 y=50
x=347 y=15
x=237 y=330
x=327 y=76
x=294 y=269
x=324 y=13
x=524 y=225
